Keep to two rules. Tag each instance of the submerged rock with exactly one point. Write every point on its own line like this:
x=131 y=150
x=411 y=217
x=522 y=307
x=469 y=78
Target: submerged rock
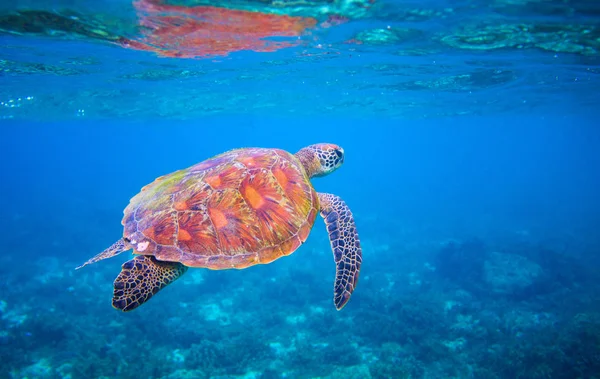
x=41 y=369
x=462 y=262
x=510 y=273
x=185 y=374
x=350 y=372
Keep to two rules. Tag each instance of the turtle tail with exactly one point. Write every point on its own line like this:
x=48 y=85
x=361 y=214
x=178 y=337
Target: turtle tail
x=115 y=249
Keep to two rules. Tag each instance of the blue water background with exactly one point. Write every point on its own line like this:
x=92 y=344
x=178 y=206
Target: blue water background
x=413 y=186
x=462 y=176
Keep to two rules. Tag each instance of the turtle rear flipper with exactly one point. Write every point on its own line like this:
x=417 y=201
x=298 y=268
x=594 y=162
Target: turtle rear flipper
x=345 y=244
x=141 y=278
x=114 y=249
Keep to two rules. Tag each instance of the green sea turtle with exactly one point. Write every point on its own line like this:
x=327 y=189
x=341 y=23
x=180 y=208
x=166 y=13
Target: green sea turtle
x=241 y=208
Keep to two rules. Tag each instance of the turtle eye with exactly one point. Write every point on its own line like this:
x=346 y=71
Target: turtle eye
x=340 y=157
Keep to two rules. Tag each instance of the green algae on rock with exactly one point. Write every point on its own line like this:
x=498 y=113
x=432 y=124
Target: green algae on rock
x=388 y=36
x=53 y=24
x=14 y=68
x=558 y=38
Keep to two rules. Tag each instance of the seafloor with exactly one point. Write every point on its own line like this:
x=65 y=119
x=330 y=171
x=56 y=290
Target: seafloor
x=511 y=304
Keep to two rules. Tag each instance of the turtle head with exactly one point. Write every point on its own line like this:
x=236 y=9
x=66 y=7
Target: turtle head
x=321 y=159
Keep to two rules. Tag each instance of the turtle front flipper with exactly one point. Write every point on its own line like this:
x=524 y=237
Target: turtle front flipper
x=345 y=245
x=141 y=278
x=115 y=249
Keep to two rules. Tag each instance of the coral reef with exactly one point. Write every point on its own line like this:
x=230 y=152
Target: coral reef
x=510 y=273
x=454 y=317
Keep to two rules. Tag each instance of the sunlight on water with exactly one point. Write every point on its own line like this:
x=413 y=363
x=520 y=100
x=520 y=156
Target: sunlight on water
x=388 y=58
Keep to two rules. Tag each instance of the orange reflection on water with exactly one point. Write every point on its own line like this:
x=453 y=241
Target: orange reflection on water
x=202 y=31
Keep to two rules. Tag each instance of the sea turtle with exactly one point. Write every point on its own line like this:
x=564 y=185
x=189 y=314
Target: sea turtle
x=241 y=208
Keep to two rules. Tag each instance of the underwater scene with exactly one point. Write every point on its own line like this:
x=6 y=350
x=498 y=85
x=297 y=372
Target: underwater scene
x=335 y=189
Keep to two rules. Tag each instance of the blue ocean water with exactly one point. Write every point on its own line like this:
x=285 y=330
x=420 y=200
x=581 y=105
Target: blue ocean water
x=471 y=139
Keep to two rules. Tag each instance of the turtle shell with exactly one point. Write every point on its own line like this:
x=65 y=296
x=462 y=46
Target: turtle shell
x=238 y=209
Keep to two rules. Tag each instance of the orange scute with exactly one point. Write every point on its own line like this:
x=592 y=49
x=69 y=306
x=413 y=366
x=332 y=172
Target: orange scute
x=281 y=177
x=159 y=227
x=213 y=181
x=200 y=227
x=304 y=231
x=270 y=254
x=183 y=235
x=218 y=218
x=180 y=206
x=253 y=197
x=149 y=233
x=194 y=197
x=289 y=246
x=247 y=161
